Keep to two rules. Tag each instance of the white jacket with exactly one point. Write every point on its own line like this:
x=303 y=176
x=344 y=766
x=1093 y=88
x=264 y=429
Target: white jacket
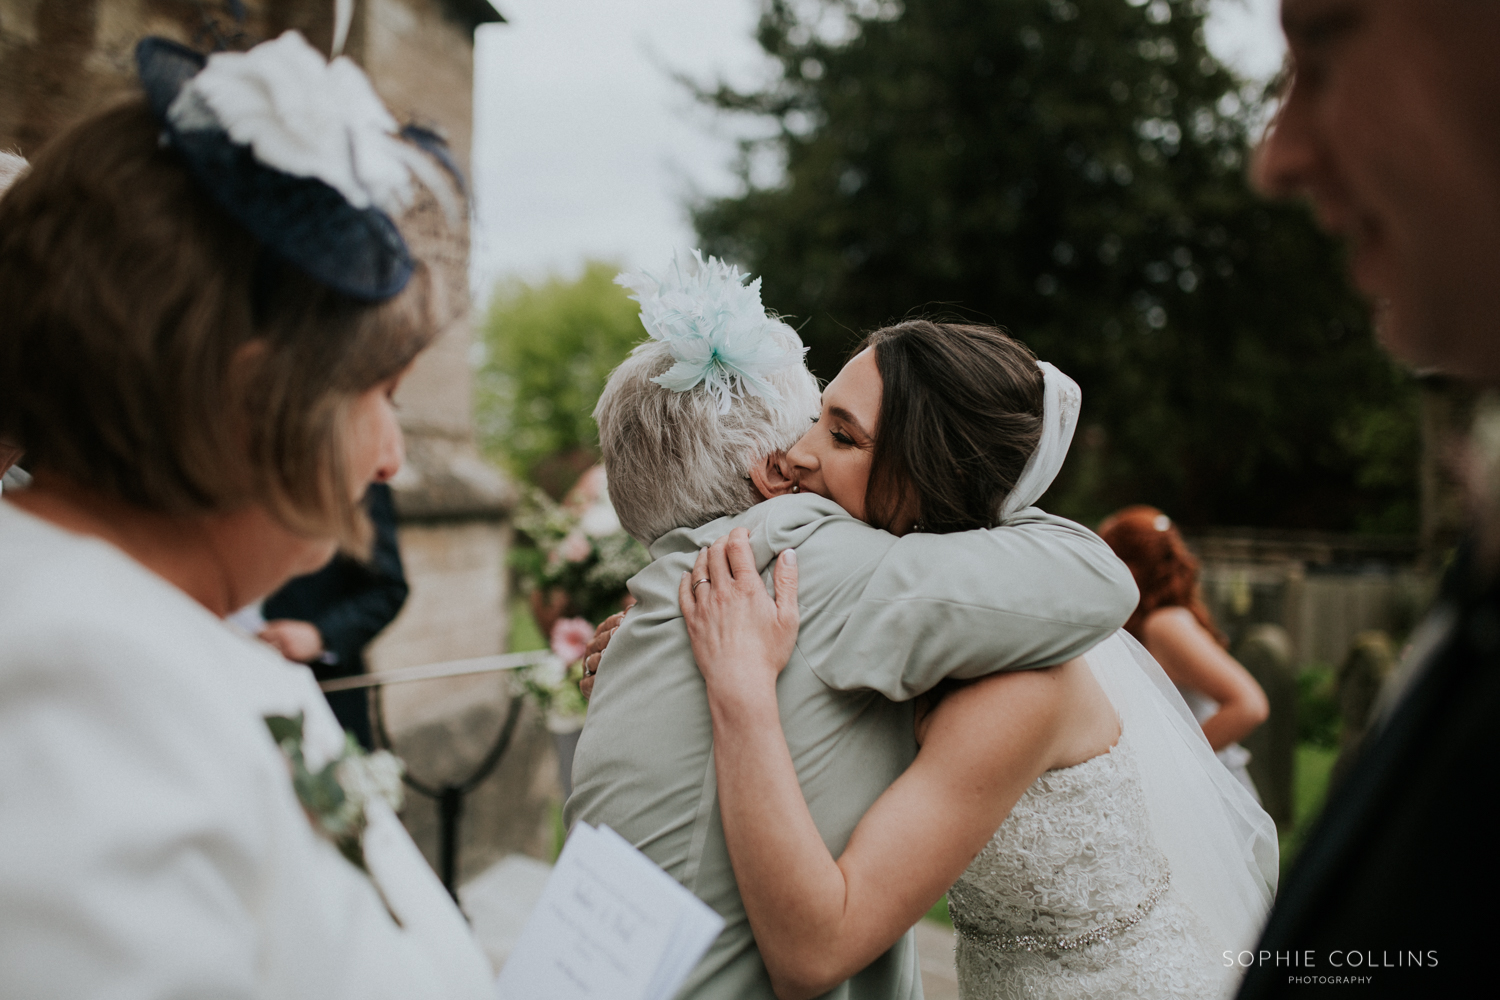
x=151 y=844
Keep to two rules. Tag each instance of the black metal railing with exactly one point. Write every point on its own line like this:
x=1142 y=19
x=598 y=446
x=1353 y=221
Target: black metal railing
x=448 y=795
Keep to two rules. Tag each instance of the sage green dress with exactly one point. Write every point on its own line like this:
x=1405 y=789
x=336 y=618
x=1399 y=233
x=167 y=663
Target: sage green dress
x=883 y=620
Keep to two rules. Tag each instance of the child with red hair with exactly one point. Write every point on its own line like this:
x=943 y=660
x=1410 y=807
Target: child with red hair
x=1175 y=626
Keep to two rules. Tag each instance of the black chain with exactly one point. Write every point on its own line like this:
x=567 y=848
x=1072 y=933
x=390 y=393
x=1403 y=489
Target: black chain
x=449 y=796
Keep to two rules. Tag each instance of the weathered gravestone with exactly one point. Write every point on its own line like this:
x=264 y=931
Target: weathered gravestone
x=1361 y=676
x=1266 y=651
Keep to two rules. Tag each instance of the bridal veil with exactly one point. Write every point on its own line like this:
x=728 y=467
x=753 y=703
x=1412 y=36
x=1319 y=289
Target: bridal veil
x=1220 y=843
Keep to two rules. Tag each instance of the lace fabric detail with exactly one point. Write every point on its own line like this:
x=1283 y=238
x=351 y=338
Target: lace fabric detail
x=1058 y=942
x=1071 y=898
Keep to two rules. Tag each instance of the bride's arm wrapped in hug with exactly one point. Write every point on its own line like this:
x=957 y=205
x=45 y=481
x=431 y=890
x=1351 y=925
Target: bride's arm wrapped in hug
x=818 y=921
x=1031 y=900
x=1074 y=893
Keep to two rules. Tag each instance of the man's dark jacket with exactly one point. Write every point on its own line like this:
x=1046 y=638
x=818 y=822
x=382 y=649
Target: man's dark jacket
x=349 y=602
x=1398 y=879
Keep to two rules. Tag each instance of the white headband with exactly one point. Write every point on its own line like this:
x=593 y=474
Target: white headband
x=1061 y=401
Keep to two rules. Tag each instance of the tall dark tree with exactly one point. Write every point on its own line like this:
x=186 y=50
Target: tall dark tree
x=1075 y=170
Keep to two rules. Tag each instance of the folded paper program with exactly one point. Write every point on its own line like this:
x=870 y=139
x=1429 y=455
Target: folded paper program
x=610 y=923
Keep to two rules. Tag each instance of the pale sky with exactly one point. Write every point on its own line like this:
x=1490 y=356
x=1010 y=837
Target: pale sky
x=586 y=148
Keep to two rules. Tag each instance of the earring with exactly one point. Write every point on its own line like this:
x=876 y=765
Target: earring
x=796 y=488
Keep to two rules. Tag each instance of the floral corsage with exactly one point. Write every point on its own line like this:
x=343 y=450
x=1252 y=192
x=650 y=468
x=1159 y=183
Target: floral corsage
x=335 y=796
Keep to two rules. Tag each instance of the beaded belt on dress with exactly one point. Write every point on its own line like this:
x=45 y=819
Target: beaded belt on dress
x=1070 y=942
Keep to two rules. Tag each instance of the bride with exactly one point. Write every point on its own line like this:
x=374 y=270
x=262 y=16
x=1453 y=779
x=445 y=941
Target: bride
x=1094 y=845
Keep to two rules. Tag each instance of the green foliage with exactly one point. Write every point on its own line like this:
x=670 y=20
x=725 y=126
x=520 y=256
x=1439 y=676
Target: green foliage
x=549 y=348
x=1318 y=728
x=1318 y=721
x=939 y=913
x=1313 y=769
x=1385 y=441
x=524 y=634
x=1076 y=171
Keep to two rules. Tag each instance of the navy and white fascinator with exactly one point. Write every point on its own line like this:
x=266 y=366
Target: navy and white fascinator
x=301 y=152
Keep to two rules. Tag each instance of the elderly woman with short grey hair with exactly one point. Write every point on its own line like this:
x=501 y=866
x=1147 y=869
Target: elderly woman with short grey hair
x=719 y=462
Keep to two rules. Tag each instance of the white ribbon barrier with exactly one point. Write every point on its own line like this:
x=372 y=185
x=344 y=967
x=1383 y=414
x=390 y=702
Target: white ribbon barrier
x=434 y=671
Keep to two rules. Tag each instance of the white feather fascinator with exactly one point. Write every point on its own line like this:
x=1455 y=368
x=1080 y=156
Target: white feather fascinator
x=302 y=153
x=309 y=117
x=709 y=315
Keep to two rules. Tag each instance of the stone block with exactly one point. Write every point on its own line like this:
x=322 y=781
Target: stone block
x=510 y=811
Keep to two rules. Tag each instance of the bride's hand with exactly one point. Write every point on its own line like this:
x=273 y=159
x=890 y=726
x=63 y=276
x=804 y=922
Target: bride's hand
x=740 y=637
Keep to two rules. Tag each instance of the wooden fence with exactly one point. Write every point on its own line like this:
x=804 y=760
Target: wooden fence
x=1291 y=601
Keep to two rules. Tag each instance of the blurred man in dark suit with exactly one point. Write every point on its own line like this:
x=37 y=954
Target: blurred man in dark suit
x=327 y=618
x=1391 y=127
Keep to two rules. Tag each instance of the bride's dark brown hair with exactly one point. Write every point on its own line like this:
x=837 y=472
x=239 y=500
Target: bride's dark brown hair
x=960 y=415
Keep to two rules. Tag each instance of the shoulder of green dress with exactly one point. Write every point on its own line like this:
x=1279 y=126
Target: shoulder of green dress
x=788 y=520
x=784 y=520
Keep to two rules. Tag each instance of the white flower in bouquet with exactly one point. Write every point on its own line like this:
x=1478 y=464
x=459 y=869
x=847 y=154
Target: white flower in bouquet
x=553 y=683
x=549 y=673
x=620 y=558
x=575 y=547
x=372 y=776
x=600 y=520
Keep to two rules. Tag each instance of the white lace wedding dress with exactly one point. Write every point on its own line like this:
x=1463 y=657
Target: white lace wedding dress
x=1073 y=898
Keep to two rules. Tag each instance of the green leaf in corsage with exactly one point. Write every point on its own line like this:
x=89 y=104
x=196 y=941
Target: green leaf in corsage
x=334 y=796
